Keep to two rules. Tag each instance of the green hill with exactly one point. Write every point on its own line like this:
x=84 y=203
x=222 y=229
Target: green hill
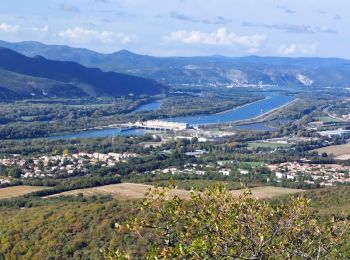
x=61 y=229
x=78 y=228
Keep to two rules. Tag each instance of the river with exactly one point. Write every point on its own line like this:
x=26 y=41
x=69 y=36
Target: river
x=248 y=111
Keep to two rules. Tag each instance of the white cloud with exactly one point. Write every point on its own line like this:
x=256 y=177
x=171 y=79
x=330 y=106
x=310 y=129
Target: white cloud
x=124 y=38
x=82 y=35
x=219 y=37
x=8 y=28
x=69 y=8
x=43 y=29
x=298 y=48
x=102 y=1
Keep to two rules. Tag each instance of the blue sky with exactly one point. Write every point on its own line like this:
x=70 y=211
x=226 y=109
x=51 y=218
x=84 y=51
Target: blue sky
x=184 y=27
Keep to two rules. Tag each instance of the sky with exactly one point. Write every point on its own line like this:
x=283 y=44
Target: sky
x=294 y=28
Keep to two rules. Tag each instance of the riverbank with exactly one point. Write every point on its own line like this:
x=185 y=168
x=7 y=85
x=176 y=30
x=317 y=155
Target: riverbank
x=242 y=106
x=260 y=118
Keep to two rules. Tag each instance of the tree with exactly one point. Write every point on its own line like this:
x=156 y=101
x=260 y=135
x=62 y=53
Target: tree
x=214 y=225
x=14 y=172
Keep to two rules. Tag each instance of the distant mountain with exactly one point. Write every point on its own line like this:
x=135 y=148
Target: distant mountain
x=23 y=77
x=213 y=70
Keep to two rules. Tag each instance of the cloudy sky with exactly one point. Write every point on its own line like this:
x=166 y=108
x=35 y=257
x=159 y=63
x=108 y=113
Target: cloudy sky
x=184 y=27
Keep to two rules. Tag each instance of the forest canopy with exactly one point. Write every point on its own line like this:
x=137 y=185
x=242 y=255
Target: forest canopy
x=215 y=225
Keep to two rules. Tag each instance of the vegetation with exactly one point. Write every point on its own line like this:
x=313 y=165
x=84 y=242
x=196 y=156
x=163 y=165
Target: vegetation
x=67 y=79
x=80 y=227
x=215 y=225
x=61 y=228
x=201 y=184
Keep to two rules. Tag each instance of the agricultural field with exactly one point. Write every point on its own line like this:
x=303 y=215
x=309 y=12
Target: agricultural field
x=122 y=191
x=328 y=119
x=16 y=191
x=130 y=191
x=201 y=184
x=341 y=152
x=268 y=192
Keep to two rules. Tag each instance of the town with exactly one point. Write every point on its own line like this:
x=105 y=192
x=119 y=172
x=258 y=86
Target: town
x=62 y=165
x=322 y=174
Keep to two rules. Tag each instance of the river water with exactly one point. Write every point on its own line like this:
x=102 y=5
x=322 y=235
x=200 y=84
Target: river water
x=245 y=112
x=248 y=111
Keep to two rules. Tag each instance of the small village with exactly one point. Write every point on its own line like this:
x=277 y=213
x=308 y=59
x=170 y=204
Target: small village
x=193 y=169
x=60 y=165
x=323 y=174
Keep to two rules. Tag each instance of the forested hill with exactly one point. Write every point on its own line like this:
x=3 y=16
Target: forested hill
x=23 y=77
x=236 y=71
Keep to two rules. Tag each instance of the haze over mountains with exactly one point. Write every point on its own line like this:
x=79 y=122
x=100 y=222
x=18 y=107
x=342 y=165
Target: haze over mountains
x=25 y=77
x=214 y=70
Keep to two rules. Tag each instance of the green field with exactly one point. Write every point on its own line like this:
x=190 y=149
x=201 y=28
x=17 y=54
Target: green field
x=251 y=164
x=327 y=119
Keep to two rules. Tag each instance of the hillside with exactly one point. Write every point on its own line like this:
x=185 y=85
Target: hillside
x=79 y=227
x=23 y=77
x=60 y=229
x=218 y=70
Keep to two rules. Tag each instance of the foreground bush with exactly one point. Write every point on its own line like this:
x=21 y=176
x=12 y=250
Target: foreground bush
x=214 y=225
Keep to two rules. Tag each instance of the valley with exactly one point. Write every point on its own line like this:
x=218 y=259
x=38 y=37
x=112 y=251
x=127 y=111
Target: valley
x=78 y=142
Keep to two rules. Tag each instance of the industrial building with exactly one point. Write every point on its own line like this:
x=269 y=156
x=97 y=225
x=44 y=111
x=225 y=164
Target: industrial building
x=162 y=125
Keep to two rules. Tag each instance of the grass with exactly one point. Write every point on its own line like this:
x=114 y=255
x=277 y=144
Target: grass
x=336 y=150
x=122 y=191
x=201 y=184
x=268 y=192
x=327 y=119
x=132 y=191
x=251 y=164
x=16 y=191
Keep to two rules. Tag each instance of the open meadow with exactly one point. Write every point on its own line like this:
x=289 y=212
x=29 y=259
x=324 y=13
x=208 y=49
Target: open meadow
x=341 y=152
x=129 y=191
x=11 y=192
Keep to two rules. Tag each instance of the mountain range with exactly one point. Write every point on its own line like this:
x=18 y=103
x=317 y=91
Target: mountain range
x=210 y=70
x=37 y=77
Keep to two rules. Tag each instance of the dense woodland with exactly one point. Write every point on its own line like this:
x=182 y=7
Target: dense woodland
x=79 y=227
